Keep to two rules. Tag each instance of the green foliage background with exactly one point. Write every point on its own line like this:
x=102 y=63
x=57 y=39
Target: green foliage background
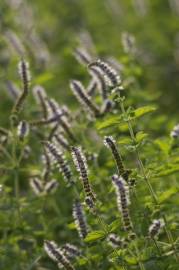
x=154 y=73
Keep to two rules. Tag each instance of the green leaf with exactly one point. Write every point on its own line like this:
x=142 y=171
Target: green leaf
x=44 y=78
x=110 y=121
x=114 y=225
x=125 y=140
x=167 y=194
x=142 y=111
x=164 y=145
x=167 y=171
x=94 y=236
x=140 y=136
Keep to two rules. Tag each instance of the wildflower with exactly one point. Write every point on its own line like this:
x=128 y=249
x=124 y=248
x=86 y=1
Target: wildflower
x=107 y=106
x=59 y=160
x=23 y=130
x=15 y=42
x=40 y=96
x=81 y=166
x=83 y=98
x=12 y=89
x=71 y=251
x=60 y=139
x=91 y=87
x=155 y=227
x=128 y=42
x=82 y=56
x=122 y=192
x=51 y=186
x=111 y=144
x=115 y=241
x=110 y=74
x=101 y=83
x=175 y=132
x=25 y=77
x=53 y=107
x=57 y=255
x=37 y=185
x=26 y=152
x=80 y=220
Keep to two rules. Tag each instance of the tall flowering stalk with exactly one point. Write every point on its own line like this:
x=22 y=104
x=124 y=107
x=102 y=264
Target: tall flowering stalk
x=110 y=74
x=80 y=219
x=142 y=169
x=59 y=160
x=81 y=166
x=57 y=255
x=122 y=192
x=40 y=96
x=25 y=78
x=83 y=98
x=110 y=143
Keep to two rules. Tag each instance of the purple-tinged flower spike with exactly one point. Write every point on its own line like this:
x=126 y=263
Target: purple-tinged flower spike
x=82 y=56
x=101 y=82
x=110 y=143
x=59 y=159
x=25 y=77
x=91 y=88
x=64 y=124
x=15 y=42
x=107 y=106
x=110 y=74
x=155 y=227
x=57 y=255
x=40 y=96
x=81 y=166
x=51 y=186
x=128 y=42
x=61 y=141
x=80 y=219
x=83 y=98
x=22 y=130
x=115 y=241
x=122 y=192
x=175 y=132
x=53 y=108
x=71 y=251
x=36 y=185
x=13 y=91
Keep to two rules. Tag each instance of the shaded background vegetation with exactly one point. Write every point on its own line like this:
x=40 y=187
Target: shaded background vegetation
x=50 y=30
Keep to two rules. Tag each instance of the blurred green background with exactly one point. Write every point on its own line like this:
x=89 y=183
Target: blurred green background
x=57 y=25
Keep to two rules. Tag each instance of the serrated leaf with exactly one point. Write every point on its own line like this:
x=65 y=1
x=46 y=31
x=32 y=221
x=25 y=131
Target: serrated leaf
x=167 y=171
x=164 y=145
x=71 y=226
x=167 y=194
x=140 y=136
x=143 y=110
x=110 y=121
x=114 y=225
x=125 y=140
x=94 y=236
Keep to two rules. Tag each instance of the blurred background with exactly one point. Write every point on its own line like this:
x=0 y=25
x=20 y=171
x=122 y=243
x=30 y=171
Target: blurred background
x=47 y=31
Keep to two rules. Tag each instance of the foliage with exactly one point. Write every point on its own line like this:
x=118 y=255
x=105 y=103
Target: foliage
x=140 y=118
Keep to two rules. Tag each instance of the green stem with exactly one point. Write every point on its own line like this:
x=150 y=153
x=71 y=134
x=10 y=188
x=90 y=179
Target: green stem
x=153 y=195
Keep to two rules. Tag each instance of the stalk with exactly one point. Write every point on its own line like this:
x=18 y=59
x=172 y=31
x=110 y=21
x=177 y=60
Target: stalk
x=142 y=169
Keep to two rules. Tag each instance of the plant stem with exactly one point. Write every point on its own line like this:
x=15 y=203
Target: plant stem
x=141 y=166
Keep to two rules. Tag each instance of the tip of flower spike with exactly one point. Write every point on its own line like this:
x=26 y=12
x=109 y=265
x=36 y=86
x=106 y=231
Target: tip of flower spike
x=108 y=140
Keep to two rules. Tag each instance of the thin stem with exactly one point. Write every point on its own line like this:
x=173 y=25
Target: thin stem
x=141 y=166
x=157 y=247
x=141 y=265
